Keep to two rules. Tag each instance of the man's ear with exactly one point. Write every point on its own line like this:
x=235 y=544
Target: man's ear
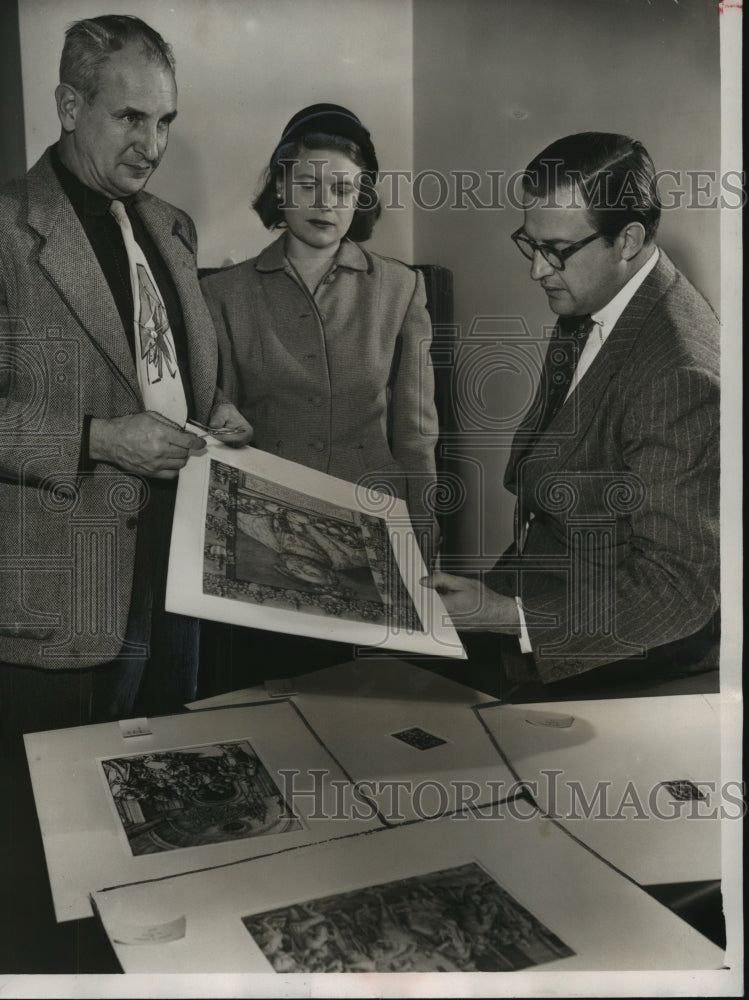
x=632 y=240
x=69 y=102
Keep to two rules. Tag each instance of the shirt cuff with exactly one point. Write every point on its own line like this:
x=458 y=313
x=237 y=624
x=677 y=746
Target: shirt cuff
x=525 y=639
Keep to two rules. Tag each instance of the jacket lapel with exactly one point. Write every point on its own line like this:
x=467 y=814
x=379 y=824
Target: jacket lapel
x=524 y=439
x=571 y=423
x=68 y=259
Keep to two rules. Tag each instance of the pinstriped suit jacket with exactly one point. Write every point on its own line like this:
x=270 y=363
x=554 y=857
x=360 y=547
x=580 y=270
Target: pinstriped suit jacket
x=67 y=542
x=622 y=551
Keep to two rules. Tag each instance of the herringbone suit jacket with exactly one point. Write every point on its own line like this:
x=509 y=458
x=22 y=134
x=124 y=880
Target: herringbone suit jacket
x=622 y=551
x=67 y=539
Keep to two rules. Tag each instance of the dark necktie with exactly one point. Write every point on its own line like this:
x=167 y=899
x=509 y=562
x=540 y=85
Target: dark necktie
x=567 y=343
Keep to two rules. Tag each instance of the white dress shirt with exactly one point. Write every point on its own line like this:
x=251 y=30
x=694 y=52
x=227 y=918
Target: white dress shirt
x=605 y=320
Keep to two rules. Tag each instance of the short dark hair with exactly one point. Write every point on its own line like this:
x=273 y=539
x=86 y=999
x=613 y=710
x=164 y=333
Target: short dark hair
x=613 y=173
x=90 y=42
x=267 y=205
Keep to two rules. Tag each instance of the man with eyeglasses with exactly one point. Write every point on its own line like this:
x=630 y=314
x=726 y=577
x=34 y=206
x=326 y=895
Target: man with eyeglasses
x=614 y=568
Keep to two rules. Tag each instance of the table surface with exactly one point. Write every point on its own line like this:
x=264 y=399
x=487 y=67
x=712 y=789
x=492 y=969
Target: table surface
x=31 y=942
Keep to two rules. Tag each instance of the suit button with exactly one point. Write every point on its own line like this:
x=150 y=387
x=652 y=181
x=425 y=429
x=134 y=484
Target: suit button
x=310 y=357
x=323 y=317
x=315 y=400
x=318 y=445
x=131 y=522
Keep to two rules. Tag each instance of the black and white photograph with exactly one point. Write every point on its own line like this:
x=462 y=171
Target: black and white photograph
x=459 y=920
x=193 y=796
x=377 y=362
x=274 y=546
x=685 y=790
x=201 y=790
x=419 y=738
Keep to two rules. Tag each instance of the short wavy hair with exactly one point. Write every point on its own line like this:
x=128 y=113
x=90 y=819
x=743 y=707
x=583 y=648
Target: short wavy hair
x=613 y=174
x=267 y=205
x=90 y=42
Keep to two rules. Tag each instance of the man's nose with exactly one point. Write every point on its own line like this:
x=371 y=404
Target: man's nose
x=540 y=267
x=148 y=143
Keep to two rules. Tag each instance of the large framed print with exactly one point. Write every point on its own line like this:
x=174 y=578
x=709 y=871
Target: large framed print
x=193 y=791
x=267 y=543
x=499 y=890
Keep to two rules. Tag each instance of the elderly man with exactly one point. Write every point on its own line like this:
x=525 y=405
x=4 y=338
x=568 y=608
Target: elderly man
x=615 y=466
x=107 y=352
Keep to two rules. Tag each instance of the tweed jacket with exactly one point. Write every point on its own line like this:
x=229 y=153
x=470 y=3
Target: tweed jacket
x=311 y=373
x=622 y=551
x=67 y=537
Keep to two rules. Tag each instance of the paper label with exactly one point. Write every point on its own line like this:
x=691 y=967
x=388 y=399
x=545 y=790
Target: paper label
x=135 y=727
x=552 y=719
x=280 y=687
x=123 y=933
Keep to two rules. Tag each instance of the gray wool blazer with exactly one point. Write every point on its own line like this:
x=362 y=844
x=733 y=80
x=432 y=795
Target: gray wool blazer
x=67 y=541
x=622 y=554
x=311 y=373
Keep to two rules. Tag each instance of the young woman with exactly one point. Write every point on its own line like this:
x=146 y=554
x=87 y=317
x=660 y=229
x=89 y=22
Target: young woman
x=324 y=345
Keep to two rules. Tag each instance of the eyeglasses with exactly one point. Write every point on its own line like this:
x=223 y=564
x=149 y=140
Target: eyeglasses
x=552 y=255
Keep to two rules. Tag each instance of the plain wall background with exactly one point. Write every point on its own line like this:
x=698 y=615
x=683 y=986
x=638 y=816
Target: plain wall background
x=244 y=67
x=444 y=85
x=495 y=81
